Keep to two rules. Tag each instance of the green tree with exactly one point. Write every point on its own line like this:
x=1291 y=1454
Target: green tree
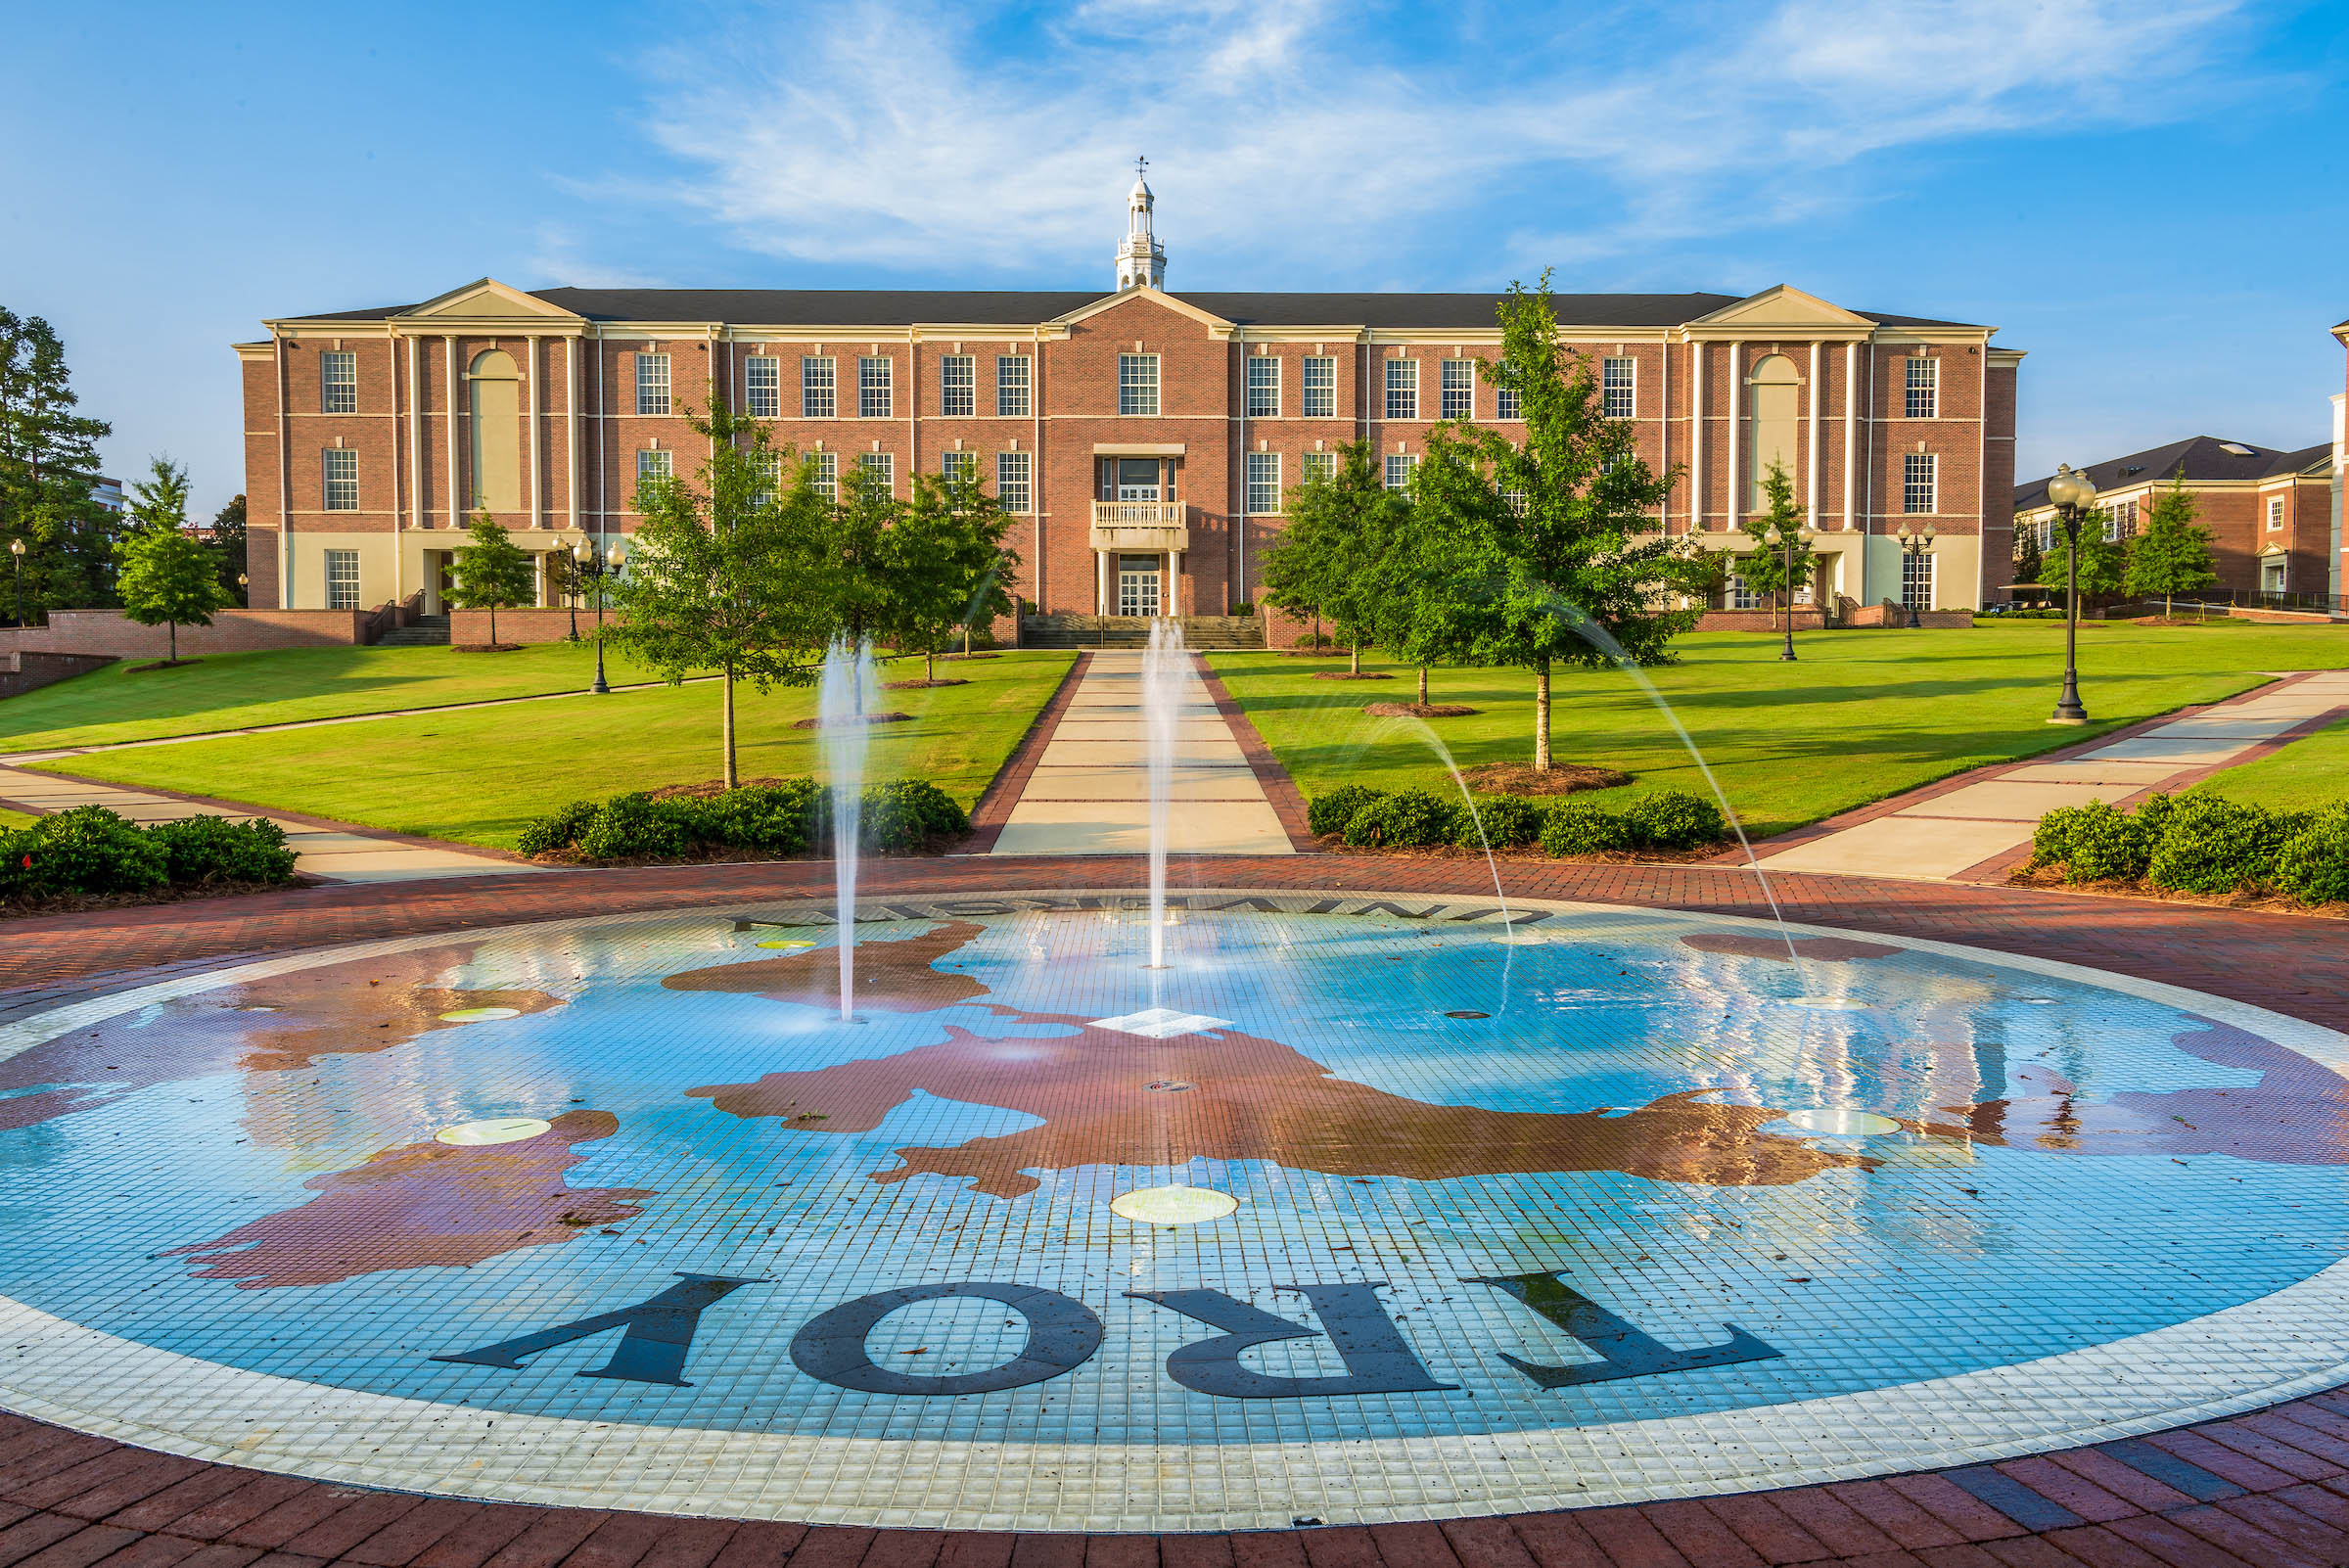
x=2171 y=556
x=166 y=577
x=1321 y=565
x=1542 y=536
x=946 y=564
x=48 y=459
x=2027 y=562
x=719 y=569
x=2104 y=564
x=1778 y=534
x=229 y=546
x=858 y=584
x=491 y=571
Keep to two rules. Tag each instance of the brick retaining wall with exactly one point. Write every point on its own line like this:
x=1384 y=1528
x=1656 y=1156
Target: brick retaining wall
x=521 y=624
x=109 y=633
x=21 y=673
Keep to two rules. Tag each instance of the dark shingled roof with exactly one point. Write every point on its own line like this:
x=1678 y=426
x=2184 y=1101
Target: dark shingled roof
x=2205 y=457
x=902 y=307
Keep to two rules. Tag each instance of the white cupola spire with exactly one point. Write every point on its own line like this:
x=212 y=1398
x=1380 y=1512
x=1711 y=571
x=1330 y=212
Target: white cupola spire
x=1141 y=261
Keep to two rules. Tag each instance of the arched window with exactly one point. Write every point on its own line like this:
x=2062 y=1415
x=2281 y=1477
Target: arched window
x=496 y=414
x=1772 y=421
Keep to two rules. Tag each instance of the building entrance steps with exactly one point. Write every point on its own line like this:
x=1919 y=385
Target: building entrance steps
x=1979 y=825
x=1090 y=791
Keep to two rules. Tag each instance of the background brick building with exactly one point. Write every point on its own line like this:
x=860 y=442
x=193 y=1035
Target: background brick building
x=1147 y=440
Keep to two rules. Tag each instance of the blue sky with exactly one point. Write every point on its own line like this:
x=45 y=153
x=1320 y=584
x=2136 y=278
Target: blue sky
x=2145 y=196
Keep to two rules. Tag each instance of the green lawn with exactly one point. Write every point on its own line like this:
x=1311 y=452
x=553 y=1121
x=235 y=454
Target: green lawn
x=13 y=819
x=2306 y=773
x=228 y=691
x=476 y=775
x=1859 y=715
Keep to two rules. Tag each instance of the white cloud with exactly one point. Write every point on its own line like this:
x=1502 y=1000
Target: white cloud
x=961 y=142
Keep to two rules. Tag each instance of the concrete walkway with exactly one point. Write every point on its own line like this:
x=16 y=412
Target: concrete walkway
x=1090 y=790
x=1956 y=826
x=333 y=853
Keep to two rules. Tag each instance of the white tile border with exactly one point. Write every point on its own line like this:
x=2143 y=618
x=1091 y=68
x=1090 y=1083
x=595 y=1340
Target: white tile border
x=2293 y=1342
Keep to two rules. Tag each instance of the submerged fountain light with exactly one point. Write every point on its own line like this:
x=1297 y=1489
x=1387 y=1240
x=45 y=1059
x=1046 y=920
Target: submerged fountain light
x=478 y=1015
x=492 y=1130
x=1836 y=1120
x=1173 y=1206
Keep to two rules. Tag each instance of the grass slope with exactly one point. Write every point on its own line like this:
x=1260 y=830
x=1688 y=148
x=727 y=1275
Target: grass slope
x=478 y=775
x=229 y=691
x=2307 y=773
x=1859 y=715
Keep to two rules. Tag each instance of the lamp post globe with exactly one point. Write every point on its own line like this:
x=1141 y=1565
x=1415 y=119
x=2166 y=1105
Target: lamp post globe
x=2070 y=492
x=16 y=551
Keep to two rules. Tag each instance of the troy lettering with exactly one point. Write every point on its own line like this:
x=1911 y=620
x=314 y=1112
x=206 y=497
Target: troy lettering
x=1378 y=1360
x=659 y=1331
x=1062 y=1336
x=1624 y=1351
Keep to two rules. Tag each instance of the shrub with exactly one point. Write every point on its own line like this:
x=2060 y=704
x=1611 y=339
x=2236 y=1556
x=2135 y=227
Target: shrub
x=87 y=850
x=1507 y=819
x=1405 y=817
x=1583 y=827
x=2313 y=866
x=1674 y=819
x=2212 y=845
x=198 y=850
x=637 y=826
x=2051 y=841
x=907 y=814
x=1330 y=813
x=559 y=829
x=2107 y=845
x=771 y=818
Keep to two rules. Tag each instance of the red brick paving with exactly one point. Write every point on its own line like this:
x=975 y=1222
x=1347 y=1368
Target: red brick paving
x=68 y=1501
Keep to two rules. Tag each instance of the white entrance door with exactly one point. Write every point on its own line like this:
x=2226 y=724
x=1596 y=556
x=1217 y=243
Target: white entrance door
x=1138 y=592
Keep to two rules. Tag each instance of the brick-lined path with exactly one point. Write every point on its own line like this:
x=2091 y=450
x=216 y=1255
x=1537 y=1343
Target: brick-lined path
x=2269 y=1490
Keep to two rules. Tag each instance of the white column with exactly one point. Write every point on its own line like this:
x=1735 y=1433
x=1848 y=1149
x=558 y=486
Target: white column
x=570 y=401
x=1101 y=586
x=1174 y=604
x=450 y=345
x=1811 y=439
x=1851 y=369
x=537 y=404
x=1696 y=435
x=399 y=573
x=285 y=484
x=415 y=433
x=1732 y=497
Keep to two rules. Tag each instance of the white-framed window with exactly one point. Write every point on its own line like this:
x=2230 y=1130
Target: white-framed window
x=875 y=387
x=2046 y=534
x=957 y=387
x=1320 y=465
x=958 y=466
x=1515 y=501
x=1399 y=468
x=1509 y=403
x=342 y=479
x=827 y=474
x=1137 y=384
x=654 y=463
x=1264 y=482
x=1403 y=389
x=1320 y=387
x=819 y=387
x=339 y=382
x=763 y=387
x=1618 y=389
x=2275 y=514
x=342 y=579
x=883 y=464
x=2120 y=522
x=1012 y=470
x=1459 y=388
x=651 y=384
x=1742 y=596
x=1921 y=389
x=1264 y=387
x=770 y=477
x=1920 y=473
x=1917 y=581
x=1011 y=386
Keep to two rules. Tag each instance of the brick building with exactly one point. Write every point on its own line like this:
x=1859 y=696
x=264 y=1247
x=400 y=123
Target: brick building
x=2269 y=513
x=1146 y=439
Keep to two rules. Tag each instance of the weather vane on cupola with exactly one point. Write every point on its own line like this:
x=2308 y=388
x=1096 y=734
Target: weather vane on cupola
x=1141 y=262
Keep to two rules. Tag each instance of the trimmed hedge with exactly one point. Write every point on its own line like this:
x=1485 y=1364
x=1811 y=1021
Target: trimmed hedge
x=2197 y=843
x=778 y=820
x=1366 y=817
x=90 y=851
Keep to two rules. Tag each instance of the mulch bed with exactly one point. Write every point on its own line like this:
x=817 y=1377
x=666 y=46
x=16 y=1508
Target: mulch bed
x=484 y=647
x=944 y=657
x=919 y=685
x=1521 y=778
x=163 y=664
x=709 y=787
x=81 y=903
x=2050 y=879
x=857 y=718
x=1417 y=710
x=1348 y=674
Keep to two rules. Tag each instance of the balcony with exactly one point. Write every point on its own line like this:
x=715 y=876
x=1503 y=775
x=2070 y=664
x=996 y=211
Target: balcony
x=1145 y=528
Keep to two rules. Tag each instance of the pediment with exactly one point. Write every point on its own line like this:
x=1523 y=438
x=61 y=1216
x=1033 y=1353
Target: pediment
x=1782 y=306
x=486 y=299
x=1144 y=295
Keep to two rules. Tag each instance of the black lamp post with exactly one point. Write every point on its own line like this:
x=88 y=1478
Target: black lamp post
x=1787 y=590
x=1915 y=546
x=595 y=569
x=2070 y=492
x=16 y=548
